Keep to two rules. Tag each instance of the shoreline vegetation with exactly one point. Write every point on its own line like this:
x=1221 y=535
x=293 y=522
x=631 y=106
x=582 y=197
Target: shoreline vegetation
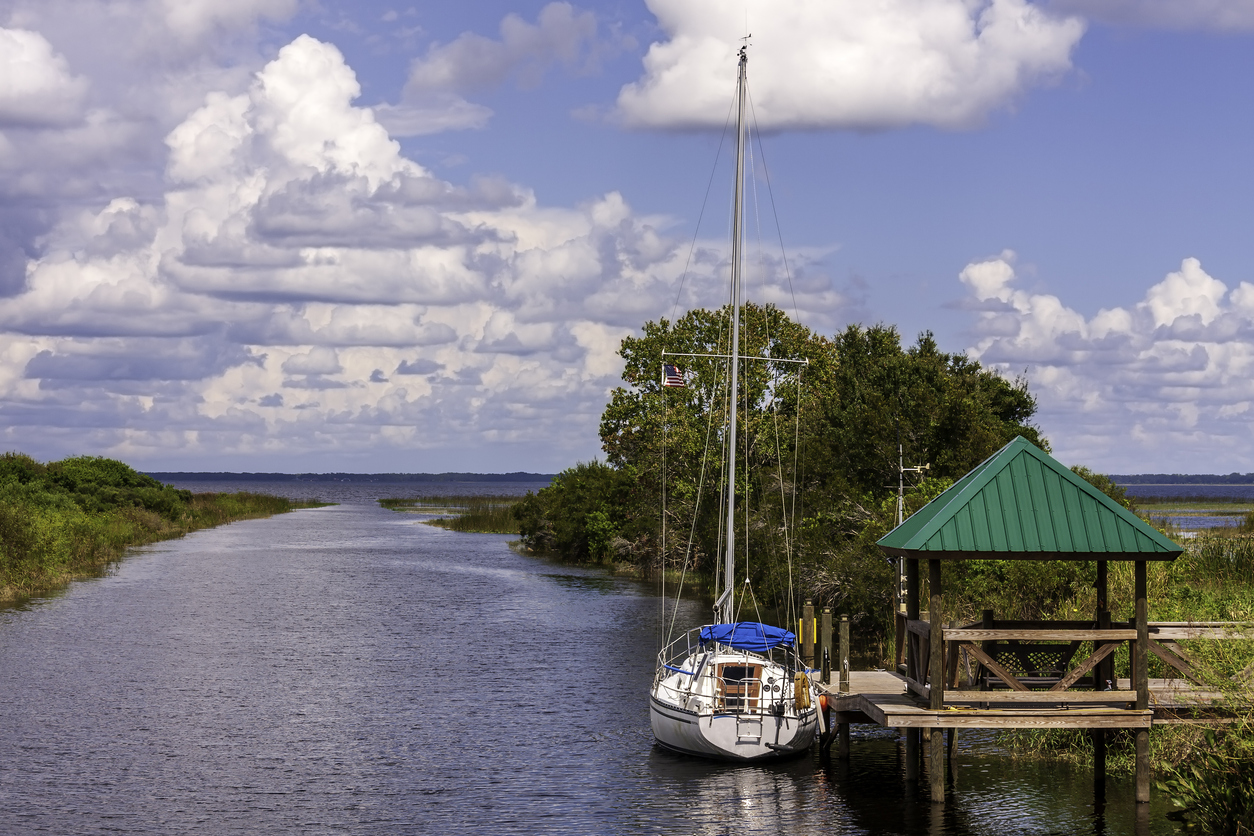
x=70 y=519
x=468 y=514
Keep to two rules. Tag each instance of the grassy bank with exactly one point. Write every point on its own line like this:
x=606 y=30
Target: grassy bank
x=69 y=519
x=472 y=514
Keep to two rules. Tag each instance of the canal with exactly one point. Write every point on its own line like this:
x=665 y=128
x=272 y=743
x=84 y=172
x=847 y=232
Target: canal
x=348 y=670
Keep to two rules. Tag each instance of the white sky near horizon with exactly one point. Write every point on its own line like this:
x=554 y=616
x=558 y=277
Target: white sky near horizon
x=298 y=236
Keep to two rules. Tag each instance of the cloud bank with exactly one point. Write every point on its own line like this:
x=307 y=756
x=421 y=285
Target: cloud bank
x=302 y=289
x=1163 y=382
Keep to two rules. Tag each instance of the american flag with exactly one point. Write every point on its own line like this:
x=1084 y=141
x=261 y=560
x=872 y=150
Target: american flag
x=672 y=375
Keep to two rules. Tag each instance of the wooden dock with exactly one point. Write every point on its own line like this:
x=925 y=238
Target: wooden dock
x=1023 y=675
x=883 y=698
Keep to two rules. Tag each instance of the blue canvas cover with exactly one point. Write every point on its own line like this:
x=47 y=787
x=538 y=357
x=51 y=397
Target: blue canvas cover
x=747 y=635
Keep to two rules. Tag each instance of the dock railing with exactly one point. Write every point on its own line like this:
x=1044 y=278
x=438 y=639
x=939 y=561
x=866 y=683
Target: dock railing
x=1035 y=662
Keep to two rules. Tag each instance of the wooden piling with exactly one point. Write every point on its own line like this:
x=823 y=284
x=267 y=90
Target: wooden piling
x=807 y=634
x=1099 y=765
x=912 y=753
x=826 y=639
x=843 y=751
x=936 y=668
x=844 y=654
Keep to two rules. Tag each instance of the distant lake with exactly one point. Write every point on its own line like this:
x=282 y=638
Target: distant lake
x=1230 y=493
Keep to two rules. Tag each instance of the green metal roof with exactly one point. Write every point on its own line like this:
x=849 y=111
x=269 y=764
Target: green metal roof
x=1020 y=503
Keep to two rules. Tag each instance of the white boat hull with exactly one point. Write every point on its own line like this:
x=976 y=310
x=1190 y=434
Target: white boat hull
x=753 y=718
x=740 y=737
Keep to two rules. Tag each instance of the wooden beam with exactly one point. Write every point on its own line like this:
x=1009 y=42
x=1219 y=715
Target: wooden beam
x=919 y=628
x=1199 y=631
x=1086 y=666
x=990 y=663
x=1175 y=661
x=993 y=719
x=978 y=635
x=1046 y=697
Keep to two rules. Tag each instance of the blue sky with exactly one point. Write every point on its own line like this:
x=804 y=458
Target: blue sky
x=297 y=236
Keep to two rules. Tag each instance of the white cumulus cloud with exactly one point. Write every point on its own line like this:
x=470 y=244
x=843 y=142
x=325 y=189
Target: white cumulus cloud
x=37 y=88
x=864 y=64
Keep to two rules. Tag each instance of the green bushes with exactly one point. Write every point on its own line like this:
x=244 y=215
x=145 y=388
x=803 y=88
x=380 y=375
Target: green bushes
x=70 y=518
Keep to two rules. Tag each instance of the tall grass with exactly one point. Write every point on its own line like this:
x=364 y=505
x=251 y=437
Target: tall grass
x=70 y=519
x=472 y=514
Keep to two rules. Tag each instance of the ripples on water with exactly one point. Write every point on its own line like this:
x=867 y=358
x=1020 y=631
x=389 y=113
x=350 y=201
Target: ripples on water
x=346 y=670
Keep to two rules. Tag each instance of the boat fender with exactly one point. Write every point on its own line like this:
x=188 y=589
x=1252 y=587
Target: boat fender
x=823 y=702
x=801 y=691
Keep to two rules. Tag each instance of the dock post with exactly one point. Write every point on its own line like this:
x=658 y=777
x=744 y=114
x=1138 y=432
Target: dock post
x=1099 y=766
x=912 y=754
x=843 y=752
x=807 y=634
x=936 y=667
x=844 y=654
x=1142 y=685
x=826 y=638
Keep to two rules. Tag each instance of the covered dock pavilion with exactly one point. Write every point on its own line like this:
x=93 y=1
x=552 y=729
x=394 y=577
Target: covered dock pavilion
x=1022 y=504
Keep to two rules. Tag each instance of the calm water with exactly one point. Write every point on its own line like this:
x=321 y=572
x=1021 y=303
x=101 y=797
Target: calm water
x=346 y=670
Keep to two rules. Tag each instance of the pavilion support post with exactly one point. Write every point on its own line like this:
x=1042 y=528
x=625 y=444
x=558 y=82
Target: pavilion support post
x=987 y=623
x=936 y=772
x=1142 y=684
x=1102 y=585
x=912 y=664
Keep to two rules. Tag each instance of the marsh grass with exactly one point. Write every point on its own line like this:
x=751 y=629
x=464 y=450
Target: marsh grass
x=71 y=519
x=1204 y=770
x=471 y=514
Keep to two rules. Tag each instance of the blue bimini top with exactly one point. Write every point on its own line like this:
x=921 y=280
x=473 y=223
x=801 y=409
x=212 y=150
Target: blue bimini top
x=747 y=635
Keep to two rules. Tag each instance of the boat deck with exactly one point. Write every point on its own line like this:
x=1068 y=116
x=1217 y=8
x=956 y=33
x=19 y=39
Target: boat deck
x=882 y=697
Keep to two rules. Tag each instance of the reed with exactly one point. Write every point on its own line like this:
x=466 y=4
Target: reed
x=471 y=514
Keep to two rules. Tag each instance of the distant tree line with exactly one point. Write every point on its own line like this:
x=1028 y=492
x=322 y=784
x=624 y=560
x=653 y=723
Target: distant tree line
x=195 y=476
x=821 y=439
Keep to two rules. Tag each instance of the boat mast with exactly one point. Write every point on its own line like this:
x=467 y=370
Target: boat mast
x=729 y=606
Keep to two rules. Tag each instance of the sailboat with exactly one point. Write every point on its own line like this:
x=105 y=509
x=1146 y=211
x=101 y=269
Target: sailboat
x=733 y=690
